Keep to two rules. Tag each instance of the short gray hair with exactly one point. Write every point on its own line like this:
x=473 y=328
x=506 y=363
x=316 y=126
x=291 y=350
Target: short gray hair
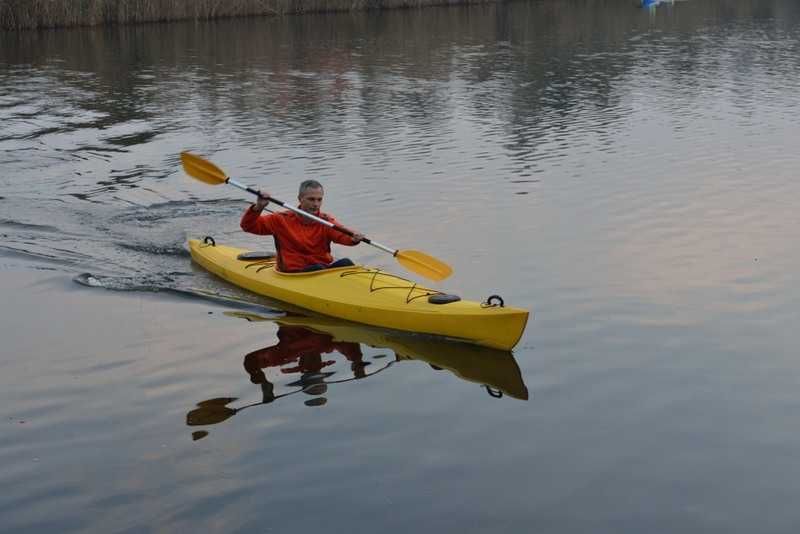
x=309 y=184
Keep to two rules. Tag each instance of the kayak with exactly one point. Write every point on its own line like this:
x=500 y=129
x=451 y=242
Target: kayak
x=368 y=296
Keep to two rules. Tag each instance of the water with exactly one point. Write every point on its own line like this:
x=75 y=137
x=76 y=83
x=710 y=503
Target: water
x=625 y=173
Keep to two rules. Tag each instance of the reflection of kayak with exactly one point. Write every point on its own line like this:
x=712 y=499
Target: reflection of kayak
x=496 y=369
x=369 y=296
x=302 y=342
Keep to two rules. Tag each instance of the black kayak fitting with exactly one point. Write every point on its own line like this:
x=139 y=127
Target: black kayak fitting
x=443 y=298
x=492 y=301
x=262 y=255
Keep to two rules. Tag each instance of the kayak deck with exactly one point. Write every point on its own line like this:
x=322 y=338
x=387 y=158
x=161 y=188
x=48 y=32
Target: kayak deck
x=366 y=295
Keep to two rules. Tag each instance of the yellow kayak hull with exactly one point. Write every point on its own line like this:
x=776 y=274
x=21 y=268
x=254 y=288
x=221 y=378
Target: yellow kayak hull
x=368 y=296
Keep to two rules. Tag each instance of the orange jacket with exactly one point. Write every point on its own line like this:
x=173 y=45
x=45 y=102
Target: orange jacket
x=299 y=242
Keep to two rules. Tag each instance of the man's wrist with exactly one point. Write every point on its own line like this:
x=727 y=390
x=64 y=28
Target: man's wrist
x=255 y=209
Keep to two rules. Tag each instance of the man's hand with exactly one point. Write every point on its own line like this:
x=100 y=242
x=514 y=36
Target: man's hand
x=261 y=201
x=357 y=238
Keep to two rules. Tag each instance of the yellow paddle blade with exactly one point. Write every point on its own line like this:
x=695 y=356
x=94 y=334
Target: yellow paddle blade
x=424 y=265
x=202 y=169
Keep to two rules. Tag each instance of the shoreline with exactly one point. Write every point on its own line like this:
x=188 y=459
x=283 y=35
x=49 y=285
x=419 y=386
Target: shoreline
x=41 y=14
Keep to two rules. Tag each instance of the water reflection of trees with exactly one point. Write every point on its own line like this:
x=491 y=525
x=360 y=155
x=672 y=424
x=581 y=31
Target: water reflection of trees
x=532 y=62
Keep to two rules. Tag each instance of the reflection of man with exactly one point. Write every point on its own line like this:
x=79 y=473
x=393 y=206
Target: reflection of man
x=305 y=348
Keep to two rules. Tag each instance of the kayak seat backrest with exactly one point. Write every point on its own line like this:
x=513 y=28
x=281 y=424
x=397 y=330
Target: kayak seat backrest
x=252 y=256
x=443 y=298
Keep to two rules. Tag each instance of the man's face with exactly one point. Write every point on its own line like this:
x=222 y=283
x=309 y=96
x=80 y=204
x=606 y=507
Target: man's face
x=311 y=200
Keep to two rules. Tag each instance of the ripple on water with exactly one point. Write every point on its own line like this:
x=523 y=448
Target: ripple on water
x=628 y=175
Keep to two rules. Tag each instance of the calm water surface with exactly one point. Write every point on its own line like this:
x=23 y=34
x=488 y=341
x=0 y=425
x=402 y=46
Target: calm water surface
x=627 y=174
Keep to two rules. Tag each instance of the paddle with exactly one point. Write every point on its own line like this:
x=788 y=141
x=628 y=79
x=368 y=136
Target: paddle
x=413 y=260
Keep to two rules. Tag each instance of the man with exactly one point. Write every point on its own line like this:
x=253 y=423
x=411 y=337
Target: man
x=302 y=244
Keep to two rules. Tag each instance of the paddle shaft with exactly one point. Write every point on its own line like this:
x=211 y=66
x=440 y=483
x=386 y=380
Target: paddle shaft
x=311 y=216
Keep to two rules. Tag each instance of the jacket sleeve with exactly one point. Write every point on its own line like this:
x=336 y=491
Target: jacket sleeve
x=338 y=237
x=256 y=223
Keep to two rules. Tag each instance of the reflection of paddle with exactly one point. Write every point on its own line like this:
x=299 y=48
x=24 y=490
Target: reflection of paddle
x=413 y=260
x=213 y=411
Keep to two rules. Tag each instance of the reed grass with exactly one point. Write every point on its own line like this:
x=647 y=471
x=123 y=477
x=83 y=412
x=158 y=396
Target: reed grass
x=29 y=14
